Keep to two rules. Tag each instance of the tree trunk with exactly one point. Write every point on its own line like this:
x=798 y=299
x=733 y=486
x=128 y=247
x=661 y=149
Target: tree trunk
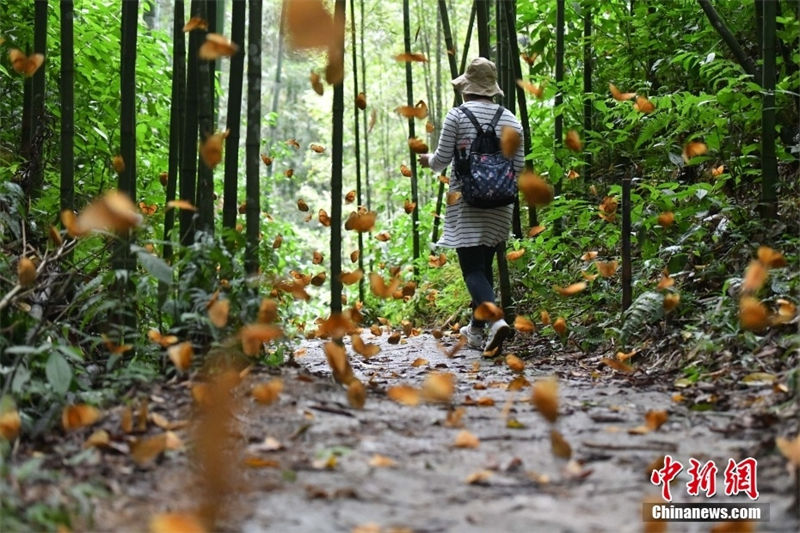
x=506 y=45
x=454 y=72
x=276 y=90
x=336 y=170
x=127 y=137
x=587 y=86
x=234 y=118
x=38 y=124
x=188 y=173
x=67 y=107
x=123 y=258
x=253 y=142
x=359 y=192
x=769 y=163
x=411 y=134
x=364 y=115
x=716 y=21
x=482 y=10
x=557 y=107
x=205 y=175
x=175 y=119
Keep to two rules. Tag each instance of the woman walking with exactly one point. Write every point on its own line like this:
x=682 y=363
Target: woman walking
x=475 y=232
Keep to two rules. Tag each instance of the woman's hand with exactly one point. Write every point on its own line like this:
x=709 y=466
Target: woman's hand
x=423 y=160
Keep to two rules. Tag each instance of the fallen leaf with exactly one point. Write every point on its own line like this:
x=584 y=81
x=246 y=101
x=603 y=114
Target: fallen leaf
x=525 y=325
x=770 y=258
x=438 y=387
x=537 y=191
x=488 y=311
x=617 y=365
x=607 y=268
x=98 y=439
x=381 y=461
x=404 y=394
x=515 y=254
x=754 y=277
x=693 y=149
x=573 y=141
x=181 y=355
x=217 y=46
x=145 y=450
x=361 y=221
x=181 y=204
x=356 y=394
x=253 y=336
x=536 y=90
x=267 y=393
x=671 y=301
x=560 y=326
x=309 y=25
x=218 y=312
x=753 y=315
x=211 y=149
x=545 y=398
x=643 y=105
x=177 y=522
x=509 y=141
x=78 y=416
x=366 y=349
x=465 y=439
x=339 y=363
x=411 y=57
x=536 y=230
x=10 y=423
x=23 y=64
x=571 y=290
x=619 y=95
x=26 y=272
x=195 y=23
x=515 y=363
x=666 y=219
x=417 y=146
x=559 y=445
x=481 y=476
x=666 y=282
x=258 y=462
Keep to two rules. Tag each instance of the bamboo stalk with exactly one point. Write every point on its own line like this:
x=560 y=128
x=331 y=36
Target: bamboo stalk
x=336 y=171
x=175 y=119
x=356 y=132
x=448 y=39
x=411 y=133
x=253 y=140
x=67 y=185
x=234 y=117
x=188 y=165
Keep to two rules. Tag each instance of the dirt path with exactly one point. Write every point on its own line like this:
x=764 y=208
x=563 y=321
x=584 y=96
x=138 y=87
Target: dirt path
x=525 y=488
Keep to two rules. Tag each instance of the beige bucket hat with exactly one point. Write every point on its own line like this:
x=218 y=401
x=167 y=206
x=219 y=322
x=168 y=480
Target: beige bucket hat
x=480 y=78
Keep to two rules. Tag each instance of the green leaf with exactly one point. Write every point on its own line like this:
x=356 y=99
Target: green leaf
x=59 y=374
x=154 y=265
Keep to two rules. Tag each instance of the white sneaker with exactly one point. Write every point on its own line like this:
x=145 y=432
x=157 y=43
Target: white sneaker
x=474 y=340
x=498 y=332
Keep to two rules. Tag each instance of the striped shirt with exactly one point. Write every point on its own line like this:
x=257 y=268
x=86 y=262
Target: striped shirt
x=465 y=225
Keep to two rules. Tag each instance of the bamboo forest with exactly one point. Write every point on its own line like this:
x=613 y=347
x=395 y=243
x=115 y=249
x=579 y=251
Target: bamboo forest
x=393 y=266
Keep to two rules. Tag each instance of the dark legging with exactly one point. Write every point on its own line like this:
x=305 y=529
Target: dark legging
x=476 y=267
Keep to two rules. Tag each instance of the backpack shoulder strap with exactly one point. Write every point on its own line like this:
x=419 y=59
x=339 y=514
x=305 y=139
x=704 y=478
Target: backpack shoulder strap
x=497 y=115
x=471 y=117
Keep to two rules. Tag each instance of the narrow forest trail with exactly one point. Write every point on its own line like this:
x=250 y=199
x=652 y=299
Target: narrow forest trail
x=523 y=486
